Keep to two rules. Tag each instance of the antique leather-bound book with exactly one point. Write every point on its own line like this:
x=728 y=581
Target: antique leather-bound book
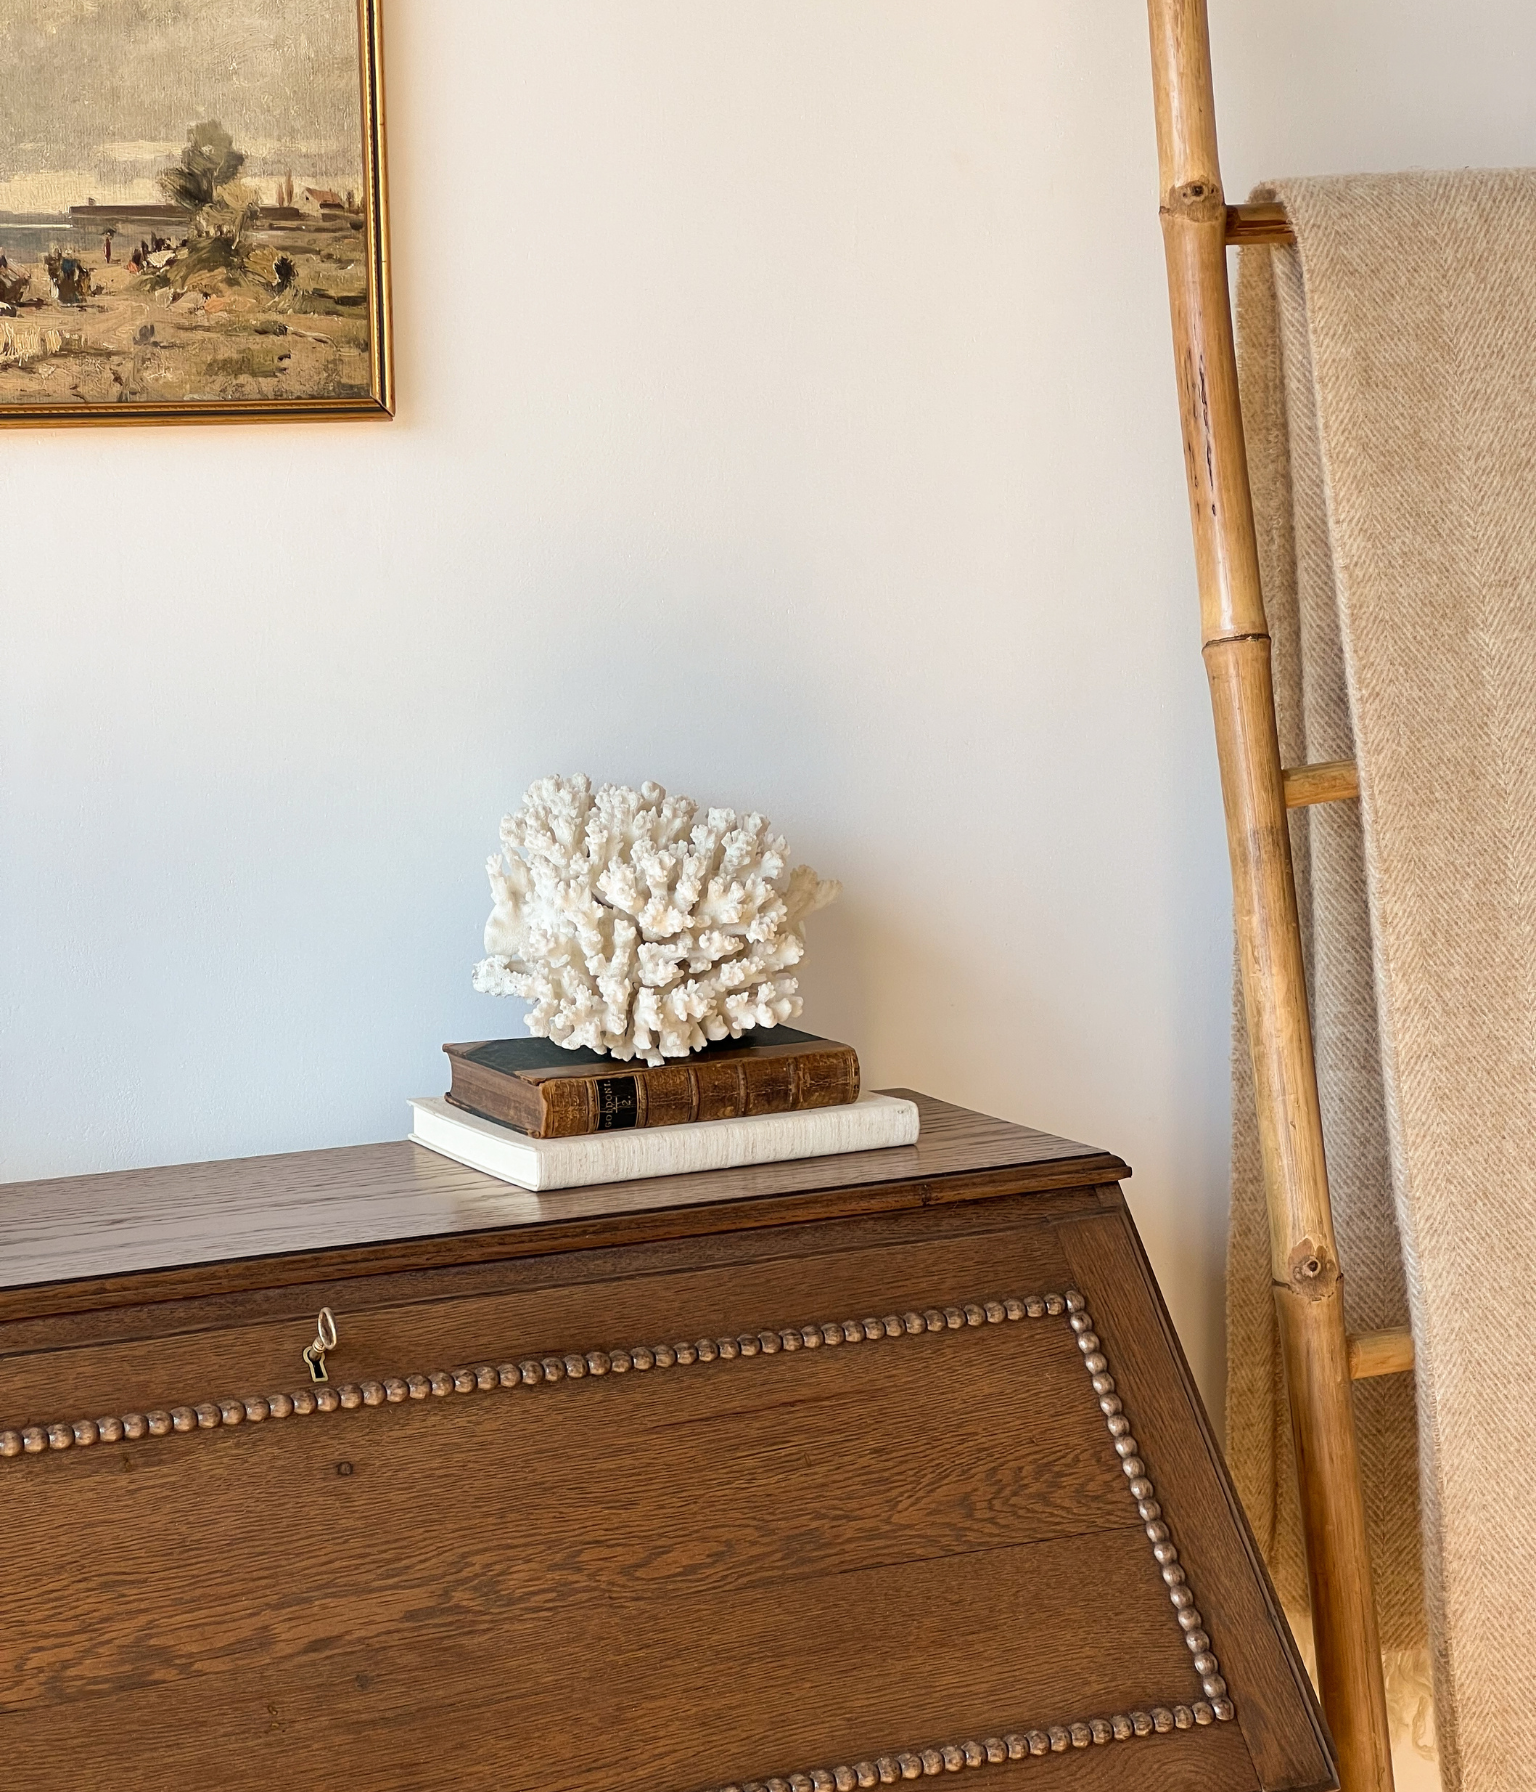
x=551 y=1093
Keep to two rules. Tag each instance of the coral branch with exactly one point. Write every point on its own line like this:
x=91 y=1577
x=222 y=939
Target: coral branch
x=638 y=930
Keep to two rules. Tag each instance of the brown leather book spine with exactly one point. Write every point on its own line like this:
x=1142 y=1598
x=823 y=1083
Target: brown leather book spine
x=566 y=1107
x=720 y=1088
x=723 y=1088
x=827 y=1078
x=667 y=1097
x=635 y=1095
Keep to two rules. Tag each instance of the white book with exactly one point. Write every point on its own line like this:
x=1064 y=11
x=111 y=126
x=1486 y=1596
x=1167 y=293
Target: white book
x=868 y=1124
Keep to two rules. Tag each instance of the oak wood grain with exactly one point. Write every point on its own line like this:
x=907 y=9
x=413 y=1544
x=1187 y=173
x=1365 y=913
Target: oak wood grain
x=653 y=1501
x=392 y=1730
x=1247 y=1632
x=671 y=1580
x=85 y=1242
x=583 y=1301
x=1008 y=1219
x=814 y=1672
x=828 y=1519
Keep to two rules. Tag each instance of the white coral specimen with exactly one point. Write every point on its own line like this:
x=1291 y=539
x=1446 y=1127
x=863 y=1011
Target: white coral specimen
x=638 y=930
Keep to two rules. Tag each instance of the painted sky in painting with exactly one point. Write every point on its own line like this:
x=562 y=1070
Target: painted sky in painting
x=99 y=94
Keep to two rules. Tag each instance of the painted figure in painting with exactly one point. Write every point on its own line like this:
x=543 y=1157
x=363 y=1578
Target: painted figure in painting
x=185 y=204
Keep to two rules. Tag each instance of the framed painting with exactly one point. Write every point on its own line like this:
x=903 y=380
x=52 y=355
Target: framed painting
x=192 y=211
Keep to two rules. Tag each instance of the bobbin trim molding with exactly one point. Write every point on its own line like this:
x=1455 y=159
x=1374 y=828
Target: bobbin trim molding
x=1213 y=1705
x=951 y=1757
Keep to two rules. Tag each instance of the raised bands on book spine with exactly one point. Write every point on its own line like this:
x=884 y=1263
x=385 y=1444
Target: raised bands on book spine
x=668 y=1095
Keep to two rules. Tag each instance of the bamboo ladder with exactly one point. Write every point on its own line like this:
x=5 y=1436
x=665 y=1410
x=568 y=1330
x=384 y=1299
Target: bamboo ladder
x=1321 y=1360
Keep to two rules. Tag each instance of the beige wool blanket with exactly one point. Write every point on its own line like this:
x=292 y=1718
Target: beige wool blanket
x=1389 y=390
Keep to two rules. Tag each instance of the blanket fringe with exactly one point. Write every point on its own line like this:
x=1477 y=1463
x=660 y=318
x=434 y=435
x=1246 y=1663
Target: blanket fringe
x=1411 y=1700
x=1410 y=1694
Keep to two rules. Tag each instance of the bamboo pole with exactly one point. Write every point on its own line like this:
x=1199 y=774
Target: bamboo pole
x=1308 y=1288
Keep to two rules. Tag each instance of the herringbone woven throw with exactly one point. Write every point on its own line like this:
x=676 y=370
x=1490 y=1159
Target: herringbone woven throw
x=1389 y=390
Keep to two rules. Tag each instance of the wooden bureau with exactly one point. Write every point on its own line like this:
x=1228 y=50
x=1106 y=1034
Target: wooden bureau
x=818 y=1475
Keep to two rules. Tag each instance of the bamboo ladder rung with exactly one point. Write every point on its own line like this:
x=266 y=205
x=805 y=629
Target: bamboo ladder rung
x=1258 y=224
x=1380 y=1353
x=1330 y=781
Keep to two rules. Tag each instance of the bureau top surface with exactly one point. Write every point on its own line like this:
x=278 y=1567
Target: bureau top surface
x=133 y=1222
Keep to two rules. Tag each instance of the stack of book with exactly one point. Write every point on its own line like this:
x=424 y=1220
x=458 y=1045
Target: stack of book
x=536 y=1115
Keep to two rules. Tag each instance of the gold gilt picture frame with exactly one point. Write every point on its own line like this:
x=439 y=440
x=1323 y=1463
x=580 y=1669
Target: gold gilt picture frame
x=193 y=218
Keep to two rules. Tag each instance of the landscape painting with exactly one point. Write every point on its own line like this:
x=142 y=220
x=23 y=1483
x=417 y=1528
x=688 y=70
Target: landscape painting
x=192 y=220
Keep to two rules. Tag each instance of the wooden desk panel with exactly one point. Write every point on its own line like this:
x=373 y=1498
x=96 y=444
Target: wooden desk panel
x=82 y=1243
x=777 y=1496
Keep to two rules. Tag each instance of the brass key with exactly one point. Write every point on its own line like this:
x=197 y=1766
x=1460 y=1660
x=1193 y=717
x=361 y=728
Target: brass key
x=325 y=1339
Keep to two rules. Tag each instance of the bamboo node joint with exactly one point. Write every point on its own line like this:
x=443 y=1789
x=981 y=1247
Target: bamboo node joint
x=1198 y=202
x=1311 y=1269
